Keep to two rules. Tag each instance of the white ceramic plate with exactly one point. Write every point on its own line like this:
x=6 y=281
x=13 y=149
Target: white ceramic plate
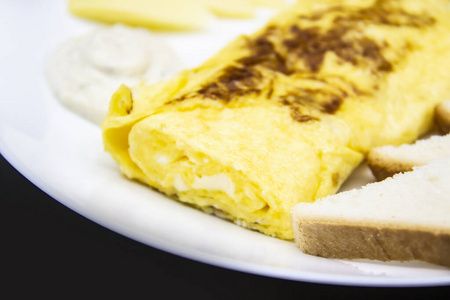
x=63 y=155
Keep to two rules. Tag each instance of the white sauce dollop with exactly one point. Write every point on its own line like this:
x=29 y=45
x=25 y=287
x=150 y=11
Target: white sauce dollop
x=85 y=71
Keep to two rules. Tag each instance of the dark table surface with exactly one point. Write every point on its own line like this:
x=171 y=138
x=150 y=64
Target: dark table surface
x=48 y=249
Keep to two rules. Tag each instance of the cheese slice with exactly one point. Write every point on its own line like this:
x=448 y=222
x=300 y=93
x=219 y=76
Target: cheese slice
x=154 y=14
x=231 y=8
x=270 y=3
x=284 y=115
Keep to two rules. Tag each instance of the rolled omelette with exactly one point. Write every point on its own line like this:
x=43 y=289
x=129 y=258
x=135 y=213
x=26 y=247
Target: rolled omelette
x=285 y=114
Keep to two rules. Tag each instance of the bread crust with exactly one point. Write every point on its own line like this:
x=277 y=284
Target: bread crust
x=442 y=116
x=375 y=242
x=383 y=168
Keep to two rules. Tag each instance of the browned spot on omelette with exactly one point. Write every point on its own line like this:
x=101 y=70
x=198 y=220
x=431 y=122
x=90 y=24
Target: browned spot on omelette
x=302 y=48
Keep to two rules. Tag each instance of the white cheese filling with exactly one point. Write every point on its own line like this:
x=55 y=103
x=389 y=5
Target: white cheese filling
x=161 y=159
x=219 y=182
x=179 y=184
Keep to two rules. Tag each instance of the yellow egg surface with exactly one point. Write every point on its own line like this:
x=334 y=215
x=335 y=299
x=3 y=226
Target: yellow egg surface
x=286 y=114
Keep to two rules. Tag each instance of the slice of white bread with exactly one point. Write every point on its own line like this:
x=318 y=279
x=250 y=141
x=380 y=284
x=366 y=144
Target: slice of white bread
x=405 y=217
x=388 y=160
x=442 y=116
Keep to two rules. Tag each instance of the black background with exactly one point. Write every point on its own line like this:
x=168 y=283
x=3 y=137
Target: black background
x=49 y=250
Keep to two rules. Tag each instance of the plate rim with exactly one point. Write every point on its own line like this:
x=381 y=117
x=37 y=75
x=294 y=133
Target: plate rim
x=214 y=260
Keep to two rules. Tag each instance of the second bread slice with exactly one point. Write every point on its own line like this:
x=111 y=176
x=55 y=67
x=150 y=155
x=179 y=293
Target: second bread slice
x=388 y=160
